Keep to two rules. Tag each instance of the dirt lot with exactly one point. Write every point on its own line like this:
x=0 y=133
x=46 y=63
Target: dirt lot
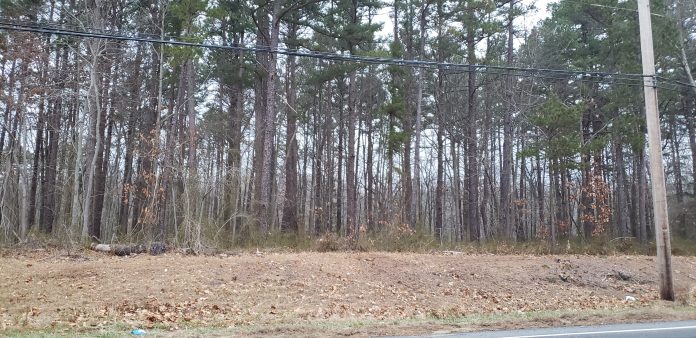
x=314 y=294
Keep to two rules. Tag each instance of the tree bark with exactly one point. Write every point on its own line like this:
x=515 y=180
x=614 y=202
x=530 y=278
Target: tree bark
x=676 y=158
x=506 y=172
x=642 y=196
x=133 y=110
x=290 y=220
x=351 y=191
x=691 y=129
x=473 y=222
x=621 y=216
x=144 y=217
x=540 y=197
x=35 y=176
x=267 y=167
x=95 y=116
x=440 y=185
x=102 y=152
x=416 y=192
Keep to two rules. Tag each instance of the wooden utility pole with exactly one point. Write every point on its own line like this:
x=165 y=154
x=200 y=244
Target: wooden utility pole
x=657 y=174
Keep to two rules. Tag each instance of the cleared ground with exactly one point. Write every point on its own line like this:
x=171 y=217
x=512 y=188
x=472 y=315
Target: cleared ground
x=315 y=294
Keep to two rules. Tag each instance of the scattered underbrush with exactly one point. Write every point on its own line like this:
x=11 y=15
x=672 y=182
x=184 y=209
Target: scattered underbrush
x=395 y=238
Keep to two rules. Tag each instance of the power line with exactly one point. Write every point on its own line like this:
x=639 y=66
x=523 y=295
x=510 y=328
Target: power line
x=140 y=37
x=149 y=38
x=624 y=9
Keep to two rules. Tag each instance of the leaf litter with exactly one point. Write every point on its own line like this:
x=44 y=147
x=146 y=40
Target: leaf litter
x=170 y=291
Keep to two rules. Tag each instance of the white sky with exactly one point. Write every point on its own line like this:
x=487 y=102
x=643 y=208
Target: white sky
x=527 y=22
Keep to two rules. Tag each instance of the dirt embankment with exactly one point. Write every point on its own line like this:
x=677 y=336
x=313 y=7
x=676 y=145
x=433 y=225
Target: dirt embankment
x=92 y=290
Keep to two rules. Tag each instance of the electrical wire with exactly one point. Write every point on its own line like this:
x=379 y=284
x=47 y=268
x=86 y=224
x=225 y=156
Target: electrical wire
x=53 y=29
x=140 y=37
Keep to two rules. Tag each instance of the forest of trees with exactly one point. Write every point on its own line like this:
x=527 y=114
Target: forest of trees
x=120 y=140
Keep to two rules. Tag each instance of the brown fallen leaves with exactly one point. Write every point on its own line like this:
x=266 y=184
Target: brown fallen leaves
x=152 y=311
x=173 y=290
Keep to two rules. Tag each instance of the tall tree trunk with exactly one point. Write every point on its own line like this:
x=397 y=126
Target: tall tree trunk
x=369 y=163
x=689 y=113
x=191 y=119
x=440 y=185
x=506 y=173
x=621 y=215
x=340 y=159
x=290 y=220
x=144 y=217
x=685 y=61
x=540 y=197
x=473 y=222
x=415 y=193
x=406 y=177
x=133 y=107
x=95 y=115
x=260 y=107
x=439 y=106
x=351 y=189
x=267 y=167
x=458 y=226
x=48 y=184
x=562 y=191
x=9 y=105
x=369 y=170
x=691 y=129
x=166 y=192
x=102 y=155
x=522 y=203
x=38 y=151
x=234 y=142
x=556 y=195
x=586 y=201
x=318 y=174
x=676 y=158
x=642 y=196
x=191 y=187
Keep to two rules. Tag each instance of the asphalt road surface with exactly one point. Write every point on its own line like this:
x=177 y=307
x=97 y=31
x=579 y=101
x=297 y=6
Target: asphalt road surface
x=681 y=329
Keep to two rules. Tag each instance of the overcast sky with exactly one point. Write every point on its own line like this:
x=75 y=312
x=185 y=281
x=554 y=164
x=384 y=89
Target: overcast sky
x=528 y=21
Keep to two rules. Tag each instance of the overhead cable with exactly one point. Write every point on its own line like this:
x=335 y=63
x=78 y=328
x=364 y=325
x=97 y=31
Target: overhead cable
x=149 y=38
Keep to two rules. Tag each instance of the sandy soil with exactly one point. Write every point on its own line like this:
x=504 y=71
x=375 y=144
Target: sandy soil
x=310 y=293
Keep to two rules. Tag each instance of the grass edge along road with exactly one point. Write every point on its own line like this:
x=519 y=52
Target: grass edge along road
x=410 y=326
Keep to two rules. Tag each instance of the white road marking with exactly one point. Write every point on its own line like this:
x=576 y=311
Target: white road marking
x=605 y=332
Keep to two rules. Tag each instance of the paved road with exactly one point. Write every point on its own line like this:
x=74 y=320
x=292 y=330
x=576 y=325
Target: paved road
x=682 y=329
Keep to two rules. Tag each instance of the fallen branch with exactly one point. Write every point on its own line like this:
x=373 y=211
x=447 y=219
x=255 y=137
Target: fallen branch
x=621 y=238
x=125 y=250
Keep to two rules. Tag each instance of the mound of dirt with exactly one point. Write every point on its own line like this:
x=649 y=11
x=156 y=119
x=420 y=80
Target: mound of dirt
x=43 y=290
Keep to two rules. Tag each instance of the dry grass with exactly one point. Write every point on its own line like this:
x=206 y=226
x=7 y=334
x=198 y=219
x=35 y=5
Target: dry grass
x=308 y=292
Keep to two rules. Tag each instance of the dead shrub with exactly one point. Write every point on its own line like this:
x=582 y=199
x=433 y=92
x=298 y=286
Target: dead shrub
x=330 y=242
